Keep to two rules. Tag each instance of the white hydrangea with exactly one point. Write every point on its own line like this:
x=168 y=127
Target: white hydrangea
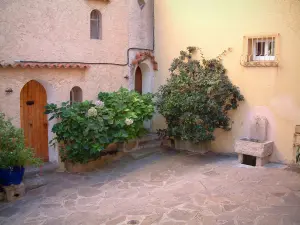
x=92 y=112
x=99 y=103
x=128 y=121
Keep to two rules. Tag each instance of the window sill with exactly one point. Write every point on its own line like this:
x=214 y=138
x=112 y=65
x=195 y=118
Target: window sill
x=265 y=63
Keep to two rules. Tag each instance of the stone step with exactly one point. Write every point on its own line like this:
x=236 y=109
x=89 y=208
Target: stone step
x=149 y=144
x=48 y=167
x=149 y=137
x=142 y=153
x=150 y=140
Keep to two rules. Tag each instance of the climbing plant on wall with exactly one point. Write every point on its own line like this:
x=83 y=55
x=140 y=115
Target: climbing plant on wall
x=197 y=97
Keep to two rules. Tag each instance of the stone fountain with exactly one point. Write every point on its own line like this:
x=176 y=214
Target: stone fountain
x=256 y=149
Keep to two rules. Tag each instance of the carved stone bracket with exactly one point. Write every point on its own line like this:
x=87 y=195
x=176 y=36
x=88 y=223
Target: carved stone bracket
x=142 y=56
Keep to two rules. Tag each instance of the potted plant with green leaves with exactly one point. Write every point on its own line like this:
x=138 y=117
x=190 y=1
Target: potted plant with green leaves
x=14 y=154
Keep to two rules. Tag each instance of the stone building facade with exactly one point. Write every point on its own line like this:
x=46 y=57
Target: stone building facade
x=49 y=42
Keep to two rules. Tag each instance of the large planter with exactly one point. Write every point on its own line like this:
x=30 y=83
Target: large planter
x=200 y=148
x=92 y=165
x=11 y=176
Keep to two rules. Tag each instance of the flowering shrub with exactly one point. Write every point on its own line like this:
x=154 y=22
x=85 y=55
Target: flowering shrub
x=128 y=121
x=82 y=129
x=85 y=129
x=197 y=98
x=131 y=110
x=92 y=112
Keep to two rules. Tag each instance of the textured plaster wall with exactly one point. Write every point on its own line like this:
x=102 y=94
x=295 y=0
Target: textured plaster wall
x=216 y=25
x=59 y=31
x=58 y=83
x=141 y=30
x=141 y=24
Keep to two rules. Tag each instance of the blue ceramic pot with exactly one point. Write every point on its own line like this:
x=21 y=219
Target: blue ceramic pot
x=11 y=176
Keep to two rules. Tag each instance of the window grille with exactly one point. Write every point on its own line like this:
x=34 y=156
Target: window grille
x=261 y=51
x=96 y=25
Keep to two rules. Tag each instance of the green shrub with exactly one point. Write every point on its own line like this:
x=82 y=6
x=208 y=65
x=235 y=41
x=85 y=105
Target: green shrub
x=197 y=98
x=13 y=151
x=128 y=106
x=82 y=129
x=85 y=129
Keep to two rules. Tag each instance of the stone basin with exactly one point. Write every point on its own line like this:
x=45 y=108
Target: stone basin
x=260 y=150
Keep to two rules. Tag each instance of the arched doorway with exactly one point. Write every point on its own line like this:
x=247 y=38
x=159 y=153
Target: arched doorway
x=138 y=81
x=33 y=99
x=143 y=84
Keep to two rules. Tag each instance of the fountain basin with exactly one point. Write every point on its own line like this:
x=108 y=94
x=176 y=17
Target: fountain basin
x=260 y=150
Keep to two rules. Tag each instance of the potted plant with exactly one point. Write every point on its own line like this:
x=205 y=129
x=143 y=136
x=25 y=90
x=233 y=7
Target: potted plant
x=14 y=155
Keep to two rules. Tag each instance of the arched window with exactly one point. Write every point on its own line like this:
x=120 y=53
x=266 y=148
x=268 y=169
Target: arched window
x=96 y=25
x=75 y=94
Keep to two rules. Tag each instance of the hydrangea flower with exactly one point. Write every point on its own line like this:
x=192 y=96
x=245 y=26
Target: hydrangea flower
x=99 y=103
x=92 y=112
x=128 y=121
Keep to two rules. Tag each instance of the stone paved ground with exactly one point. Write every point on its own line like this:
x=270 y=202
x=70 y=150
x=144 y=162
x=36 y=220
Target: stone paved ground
x=165 y=188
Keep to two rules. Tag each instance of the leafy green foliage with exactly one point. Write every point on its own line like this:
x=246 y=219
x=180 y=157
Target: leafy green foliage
x=197 y=98
x=85 y=129
x=130 y=105
x=13 y=151
x=82 y=136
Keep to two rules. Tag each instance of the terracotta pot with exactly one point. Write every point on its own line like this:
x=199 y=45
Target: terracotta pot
x=138 y=55
x=135 y=62
x=112 y=147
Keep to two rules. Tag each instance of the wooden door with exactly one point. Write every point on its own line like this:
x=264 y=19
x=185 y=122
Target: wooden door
x=138 y=80
x=33 y=99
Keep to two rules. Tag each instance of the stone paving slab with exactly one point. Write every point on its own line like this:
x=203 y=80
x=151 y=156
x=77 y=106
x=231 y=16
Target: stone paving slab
x=165 y=188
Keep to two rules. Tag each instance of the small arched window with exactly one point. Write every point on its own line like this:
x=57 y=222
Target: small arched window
x=75 y=95
x=96 y=25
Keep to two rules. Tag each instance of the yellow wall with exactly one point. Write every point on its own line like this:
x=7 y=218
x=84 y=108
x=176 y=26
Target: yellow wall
x=215 y=25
